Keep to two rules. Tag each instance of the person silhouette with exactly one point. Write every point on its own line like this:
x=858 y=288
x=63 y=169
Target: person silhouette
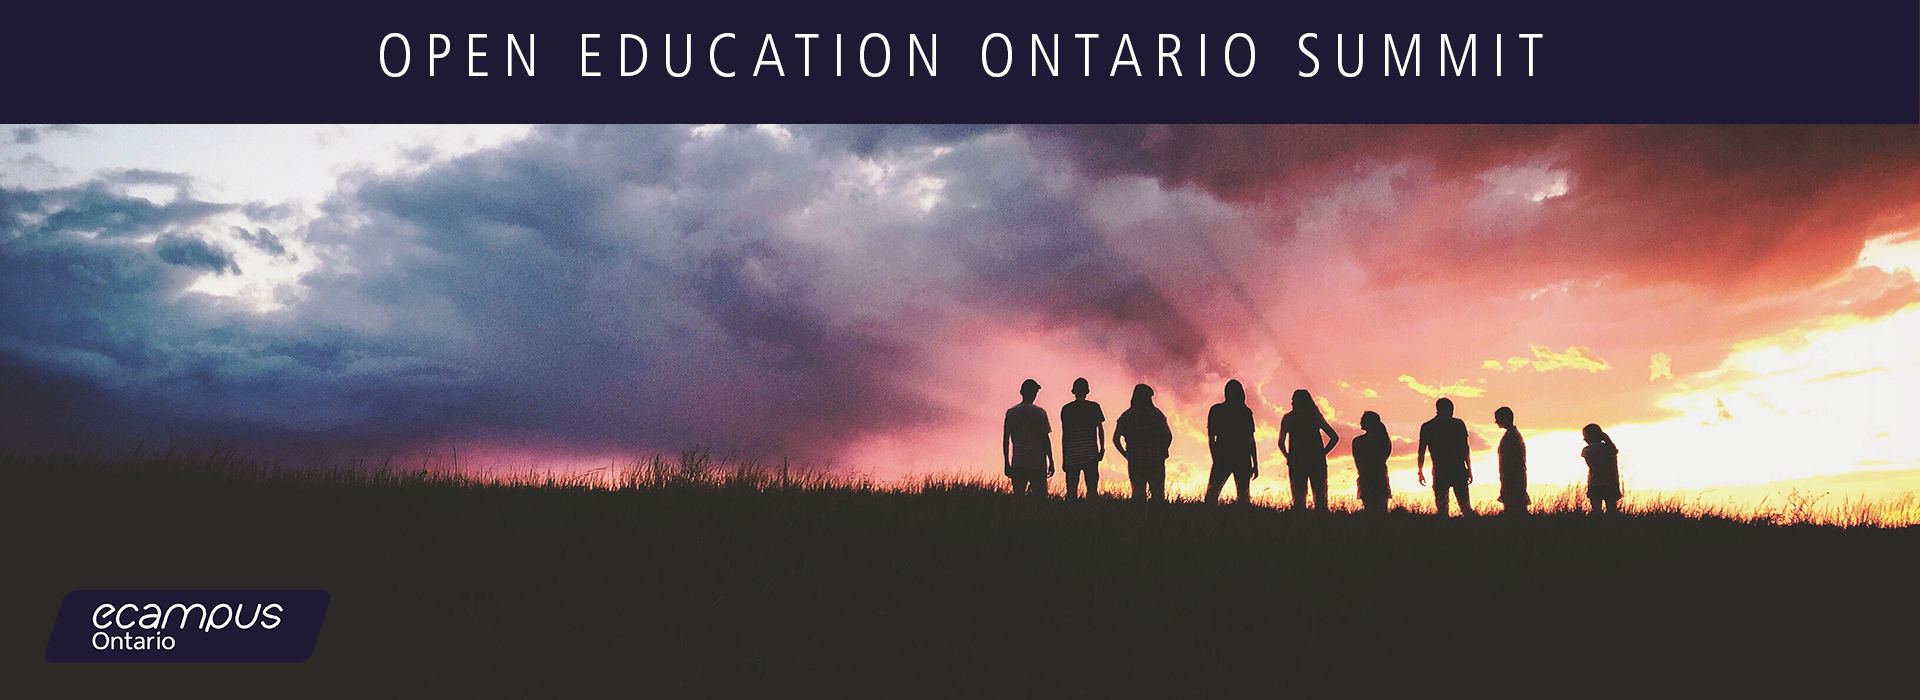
x=1142 y=437
x=1230 y=440
x=1445 y=437
x=1513 y=465
x=1026 y=444
x=1603 y=470
x=1083 y=441
x=1306 y=457
x=1370 y=452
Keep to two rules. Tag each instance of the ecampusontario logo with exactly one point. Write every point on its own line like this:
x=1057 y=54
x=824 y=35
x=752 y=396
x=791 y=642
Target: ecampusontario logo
x=187 y=626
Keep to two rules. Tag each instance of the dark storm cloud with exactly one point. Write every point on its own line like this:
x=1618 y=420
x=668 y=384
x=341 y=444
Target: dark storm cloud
x=192 y=251
x=101 y=207
x=263 y=240
x=1760 y=209
x=621 y=287
x=644 y=287
x=1038 y=256
x=625 y=288
x=100 y=344
x=84 y=307
x=29 y=135
x=869 y=139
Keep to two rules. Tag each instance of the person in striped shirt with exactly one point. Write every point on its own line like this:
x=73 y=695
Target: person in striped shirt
x=1083 y=441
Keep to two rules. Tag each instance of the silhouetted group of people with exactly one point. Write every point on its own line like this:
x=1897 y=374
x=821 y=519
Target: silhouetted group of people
x=1143 y=437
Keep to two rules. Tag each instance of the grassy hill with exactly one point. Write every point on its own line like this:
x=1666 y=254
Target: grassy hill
x=683 y=580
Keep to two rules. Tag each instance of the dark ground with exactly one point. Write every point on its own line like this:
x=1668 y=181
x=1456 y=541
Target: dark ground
x=689 y=590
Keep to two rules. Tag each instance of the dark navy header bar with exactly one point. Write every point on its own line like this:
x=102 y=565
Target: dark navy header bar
x=1188 y=61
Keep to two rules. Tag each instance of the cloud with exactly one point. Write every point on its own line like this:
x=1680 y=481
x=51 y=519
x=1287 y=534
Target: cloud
x=103 y=207
x=1326 y=408
x=1576 y=357
x=809 y=291
x=650 y=288
x=1846 y=374
x=263 y=240
x=1659 y=367
x=1752 y=209
x=29 y=135
x=1545 y=359
x=1460 y=388
x=190 y=251
x=101 y=339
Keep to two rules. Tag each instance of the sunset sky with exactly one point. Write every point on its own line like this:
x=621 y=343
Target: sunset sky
x=1736 y=305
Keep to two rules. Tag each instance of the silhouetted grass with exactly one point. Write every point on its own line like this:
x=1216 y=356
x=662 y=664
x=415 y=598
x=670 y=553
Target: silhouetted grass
x=685 y=575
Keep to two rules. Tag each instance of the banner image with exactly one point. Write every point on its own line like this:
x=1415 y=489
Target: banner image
x=1199 y=350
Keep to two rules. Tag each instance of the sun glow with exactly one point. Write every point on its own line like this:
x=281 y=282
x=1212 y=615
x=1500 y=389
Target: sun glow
x=1804 y=403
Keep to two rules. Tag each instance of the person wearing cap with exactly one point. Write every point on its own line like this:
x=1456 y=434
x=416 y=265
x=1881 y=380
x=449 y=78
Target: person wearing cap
x=1027 y=445
x=1083 y=441
x=1142 y=436
x=1445 y=437
x=1230 y=441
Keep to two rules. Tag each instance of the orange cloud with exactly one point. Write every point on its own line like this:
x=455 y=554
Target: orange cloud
x=1460 y=388
x=1660 y=367
x=1326 y=408
x=1576 y=357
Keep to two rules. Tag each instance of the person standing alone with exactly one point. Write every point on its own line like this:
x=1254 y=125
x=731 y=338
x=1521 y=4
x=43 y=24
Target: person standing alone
x=1083 y=441
x=1603 y=470
x=1027 y=445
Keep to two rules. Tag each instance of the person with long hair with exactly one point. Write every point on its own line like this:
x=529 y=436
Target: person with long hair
x=1513 y=465
x=1142 y=436
x=1230 y=440
x=1603 y=470
x=1300 y=443
x=1370 y=452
